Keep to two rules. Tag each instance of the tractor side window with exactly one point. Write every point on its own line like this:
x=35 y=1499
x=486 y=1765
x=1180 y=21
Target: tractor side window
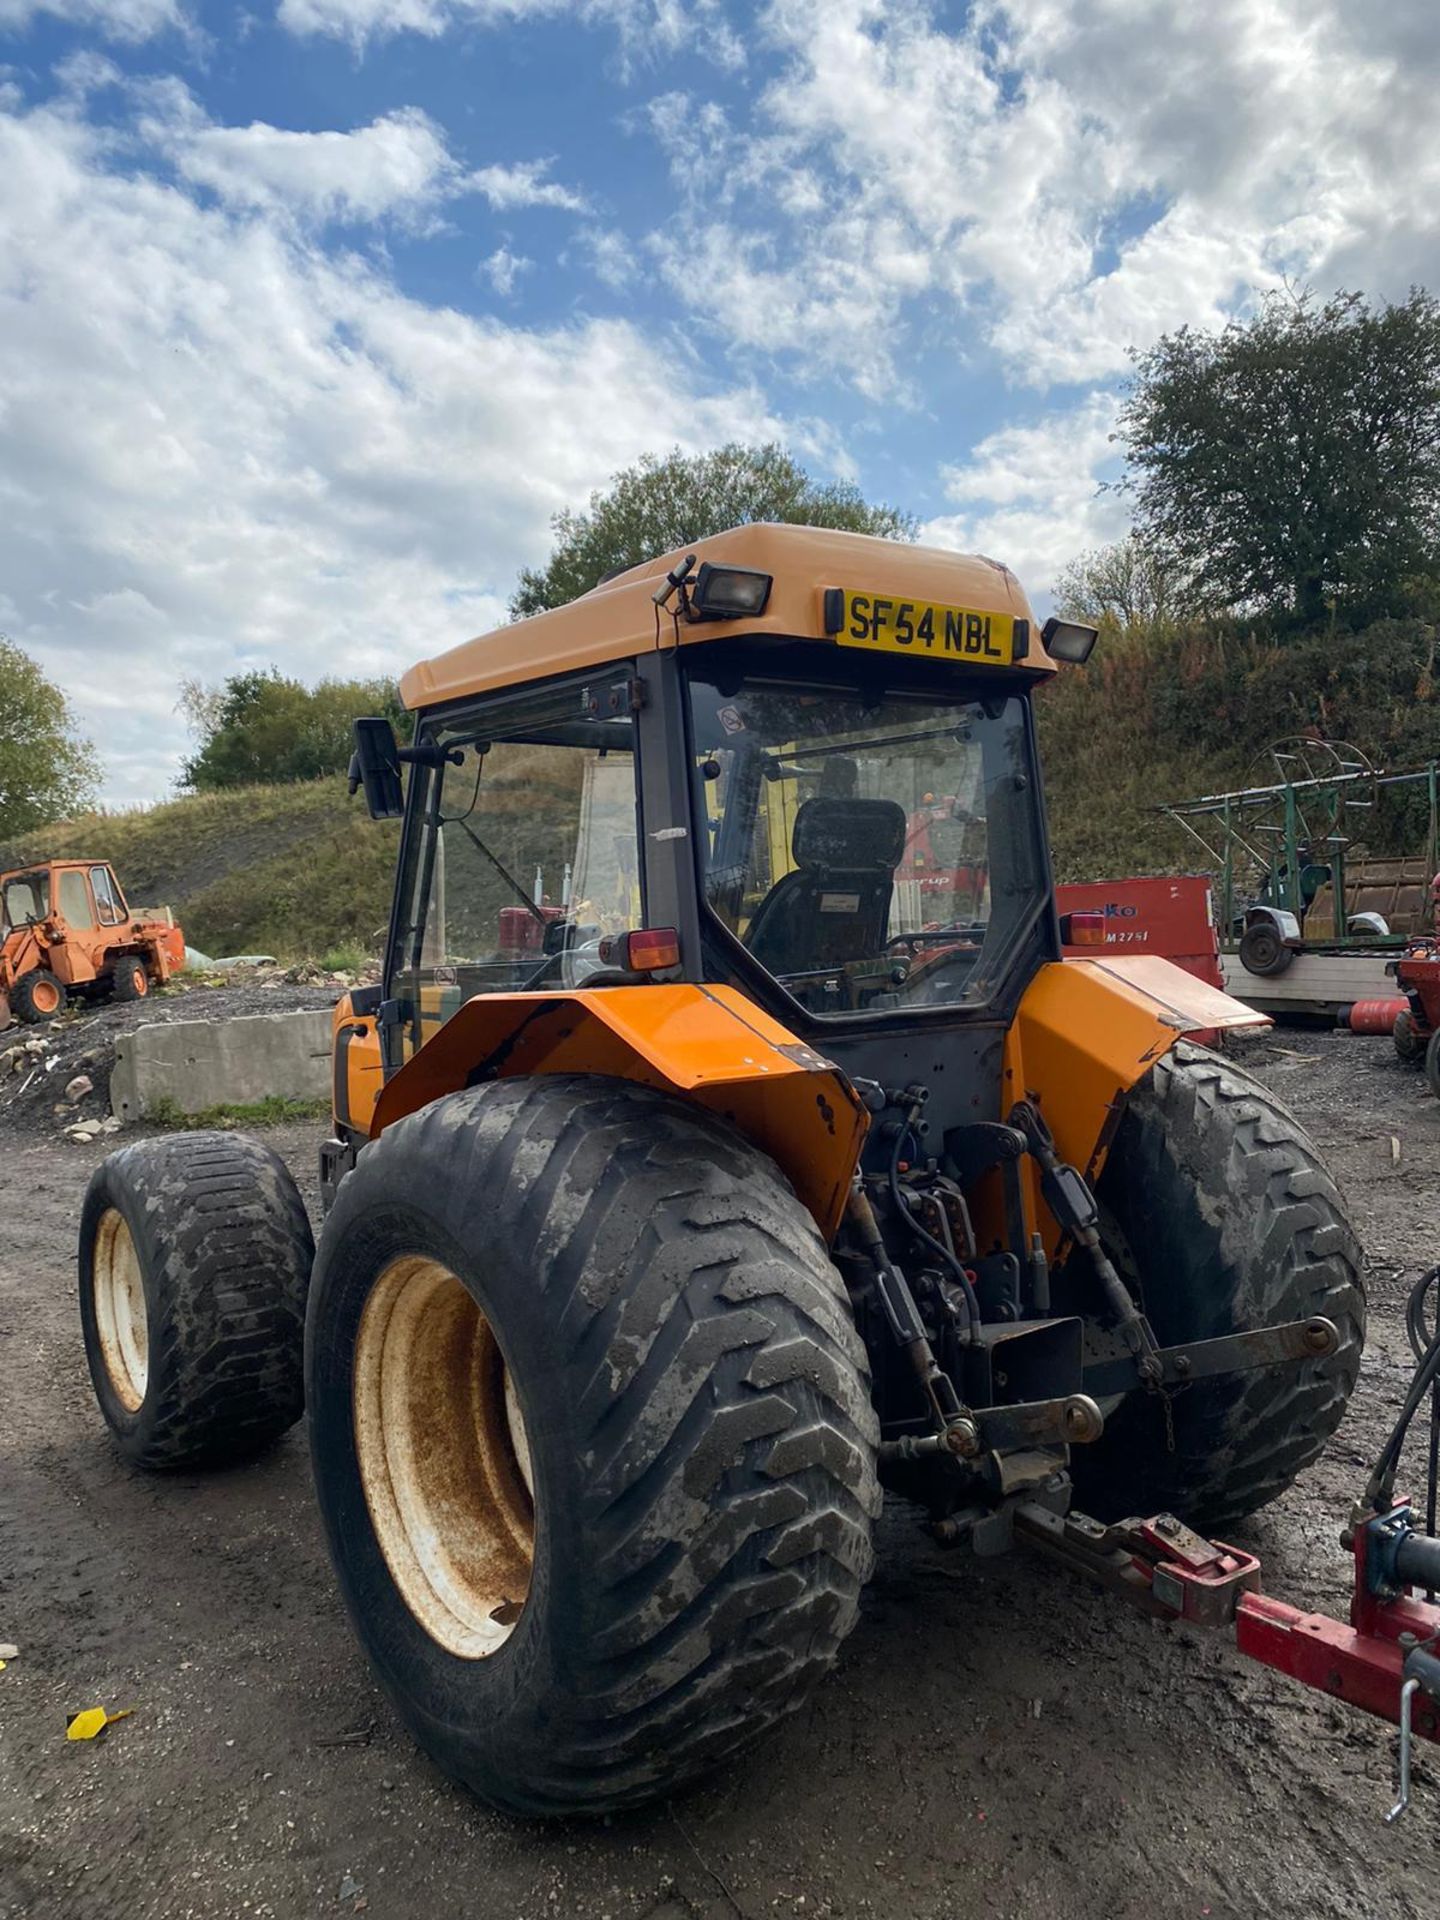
x=107 y=906
x=26 y=899
x=75 y=899
x=522 y=855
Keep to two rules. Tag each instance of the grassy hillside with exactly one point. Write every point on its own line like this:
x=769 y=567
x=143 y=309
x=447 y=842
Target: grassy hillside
x=291 y=870
x=1169 y=715
x=301 y=870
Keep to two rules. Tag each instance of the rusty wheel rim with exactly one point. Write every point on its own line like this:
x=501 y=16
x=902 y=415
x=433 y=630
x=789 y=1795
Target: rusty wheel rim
x=444 y=1458
x=45 y=996
x=121 y=1322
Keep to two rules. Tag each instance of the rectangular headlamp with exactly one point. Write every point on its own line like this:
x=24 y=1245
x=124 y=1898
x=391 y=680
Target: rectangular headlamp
x=728 y=593
x=1067 y=640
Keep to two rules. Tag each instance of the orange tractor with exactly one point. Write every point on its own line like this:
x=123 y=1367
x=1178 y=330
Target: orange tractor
x=65 y=930
x=693 y=1176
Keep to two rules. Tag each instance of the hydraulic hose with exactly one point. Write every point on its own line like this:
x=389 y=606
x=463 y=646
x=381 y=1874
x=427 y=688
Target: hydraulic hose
x=1426 y=1347
x=951 y=1259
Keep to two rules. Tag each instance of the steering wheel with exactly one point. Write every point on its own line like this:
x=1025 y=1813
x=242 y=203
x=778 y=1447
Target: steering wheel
x=925 y=984
x=836 y=976
x=934 y=936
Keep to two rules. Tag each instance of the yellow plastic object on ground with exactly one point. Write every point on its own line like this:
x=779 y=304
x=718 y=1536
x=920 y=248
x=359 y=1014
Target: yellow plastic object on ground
x=94 y=1720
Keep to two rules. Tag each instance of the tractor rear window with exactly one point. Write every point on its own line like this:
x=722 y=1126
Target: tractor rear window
x=522 y=855
x=872 y=851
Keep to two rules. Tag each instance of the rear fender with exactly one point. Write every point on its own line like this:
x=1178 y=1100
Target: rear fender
x=708 y=1044
x=1088 y=1031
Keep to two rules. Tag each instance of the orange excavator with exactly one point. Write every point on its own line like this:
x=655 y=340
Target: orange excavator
x=66 y=931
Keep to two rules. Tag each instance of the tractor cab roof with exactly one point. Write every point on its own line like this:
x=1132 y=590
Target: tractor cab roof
x=47 y=866
x=808 y=566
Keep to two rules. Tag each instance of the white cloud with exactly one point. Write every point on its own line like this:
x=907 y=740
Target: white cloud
x=399 y=164
x=1030 y=495
x=398 y=167
x=503 y=268
x=612 y=258
x=1064 y=178
x=130 y=20
x=222 y=447
x=525 y=185
x=645 y=27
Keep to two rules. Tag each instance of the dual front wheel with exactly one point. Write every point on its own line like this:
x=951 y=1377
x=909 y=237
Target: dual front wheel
x=589 y=1416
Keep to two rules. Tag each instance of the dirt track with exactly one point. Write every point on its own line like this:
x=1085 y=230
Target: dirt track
x=998 y=1740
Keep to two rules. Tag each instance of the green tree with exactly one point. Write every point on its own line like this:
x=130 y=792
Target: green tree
x=266 y=727
x=659 y=505
x=47 y=771
x=1128 y=583
x=1291 y=462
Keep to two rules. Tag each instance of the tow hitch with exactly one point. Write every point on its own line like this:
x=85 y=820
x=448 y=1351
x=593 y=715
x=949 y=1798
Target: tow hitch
x=1384 y=1660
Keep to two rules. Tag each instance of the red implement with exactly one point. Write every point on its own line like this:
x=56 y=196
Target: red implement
x=1166 y=1570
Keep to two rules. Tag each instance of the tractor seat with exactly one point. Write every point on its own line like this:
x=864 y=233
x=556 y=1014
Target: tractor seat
x=835 y=906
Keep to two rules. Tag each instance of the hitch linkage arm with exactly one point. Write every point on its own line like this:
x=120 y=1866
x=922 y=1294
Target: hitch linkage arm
x=1073 y=1205
x=1386 y=1660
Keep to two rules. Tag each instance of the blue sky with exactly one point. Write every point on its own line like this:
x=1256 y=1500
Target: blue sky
x=314 y=312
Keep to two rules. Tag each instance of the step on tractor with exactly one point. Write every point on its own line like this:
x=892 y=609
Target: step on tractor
x=66 y=933
x=692 y=1181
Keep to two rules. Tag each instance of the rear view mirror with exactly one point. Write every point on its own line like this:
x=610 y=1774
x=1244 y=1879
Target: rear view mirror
x=375 y=766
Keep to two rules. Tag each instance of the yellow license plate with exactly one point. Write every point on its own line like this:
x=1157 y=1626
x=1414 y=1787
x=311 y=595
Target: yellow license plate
x=920 y=627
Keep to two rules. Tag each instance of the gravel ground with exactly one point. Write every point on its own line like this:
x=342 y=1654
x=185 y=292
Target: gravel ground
x=998 y=1739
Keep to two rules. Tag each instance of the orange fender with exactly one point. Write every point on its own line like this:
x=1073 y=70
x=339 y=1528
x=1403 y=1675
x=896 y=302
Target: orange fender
x=709 y=1044
x=1088 y=1031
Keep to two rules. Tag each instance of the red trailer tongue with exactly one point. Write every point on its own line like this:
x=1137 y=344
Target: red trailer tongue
x=1384 y=1660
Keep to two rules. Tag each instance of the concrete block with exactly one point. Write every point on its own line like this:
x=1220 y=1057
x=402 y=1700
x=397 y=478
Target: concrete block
x=198 y=1064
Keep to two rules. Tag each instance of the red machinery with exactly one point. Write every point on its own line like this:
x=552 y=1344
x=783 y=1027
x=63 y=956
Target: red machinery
x=1385 y=1659
x=1416 y=1027
x=1172 y=915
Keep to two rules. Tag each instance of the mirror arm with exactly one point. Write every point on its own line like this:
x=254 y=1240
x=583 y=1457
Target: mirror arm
x=430 y=755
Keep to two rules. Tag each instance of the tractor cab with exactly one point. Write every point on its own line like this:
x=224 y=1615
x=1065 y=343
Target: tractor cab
x=83 y=893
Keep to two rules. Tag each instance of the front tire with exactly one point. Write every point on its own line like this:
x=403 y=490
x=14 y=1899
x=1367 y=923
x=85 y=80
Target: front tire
x=1222 y=1218
x=195 y=1257
x=1409 y=1044
x=591 y=1435
x=37 y=996
x=1432 y=1063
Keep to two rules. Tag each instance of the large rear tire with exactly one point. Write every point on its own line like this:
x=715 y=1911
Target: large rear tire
x=591 y=1435
x=1222 y=1218
x=128 y=978
x=195 y=1258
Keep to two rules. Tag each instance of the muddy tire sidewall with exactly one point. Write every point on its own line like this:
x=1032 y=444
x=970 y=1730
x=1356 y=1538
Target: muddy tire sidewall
x=563 y=1208
x=224 y=1251
x=1228 y=1221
